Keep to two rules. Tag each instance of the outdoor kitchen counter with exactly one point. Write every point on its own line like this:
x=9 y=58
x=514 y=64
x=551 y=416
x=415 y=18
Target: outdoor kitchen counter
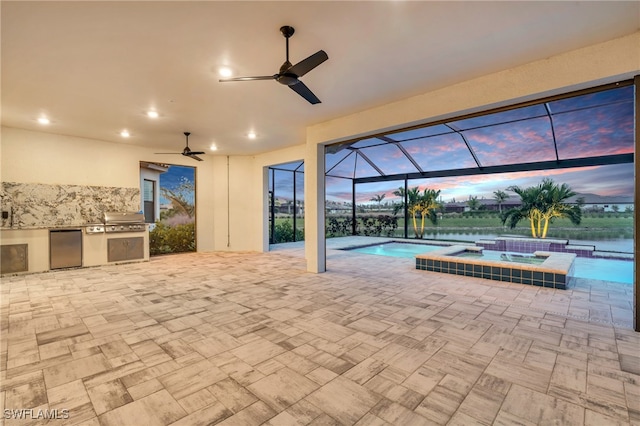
x=35 y=241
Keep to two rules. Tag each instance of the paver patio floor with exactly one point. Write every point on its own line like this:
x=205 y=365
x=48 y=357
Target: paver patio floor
x=252 y=338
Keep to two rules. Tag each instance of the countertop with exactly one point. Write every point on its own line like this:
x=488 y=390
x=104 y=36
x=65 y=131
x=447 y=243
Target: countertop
x=36 y=227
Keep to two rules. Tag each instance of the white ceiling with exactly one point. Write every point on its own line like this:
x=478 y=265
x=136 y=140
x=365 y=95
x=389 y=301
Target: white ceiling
x=95 y=68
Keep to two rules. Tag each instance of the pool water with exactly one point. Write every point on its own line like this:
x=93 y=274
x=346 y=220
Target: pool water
x=408 y=250
x=614 y=270
x=620 y=271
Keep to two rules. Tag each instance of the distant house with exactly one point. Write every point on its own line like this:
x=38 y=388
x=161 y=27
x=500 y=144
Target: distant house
x=486 y=204
x=589 y=202
x=333 y=207
x=150 y=189
x=285 y=206
x=599 y=203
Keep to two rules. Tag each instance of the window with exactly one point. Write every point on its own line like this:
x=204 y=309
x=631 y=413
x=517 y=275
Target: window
x=149 y=200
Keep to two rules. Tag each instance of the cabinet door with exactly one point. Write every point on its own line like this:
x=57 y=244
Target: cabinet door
x=135 y=248
x=121 y=249
x=14 y=258
x=65 y=248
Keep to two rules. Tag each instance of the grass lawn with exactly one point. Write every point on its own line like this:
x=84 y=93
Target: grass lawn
x=592 y=226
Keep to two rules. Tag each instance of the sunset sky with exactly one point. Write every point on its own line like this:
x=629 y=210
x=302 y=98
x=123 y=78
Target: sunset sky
x=616 y=180
x=590 y=125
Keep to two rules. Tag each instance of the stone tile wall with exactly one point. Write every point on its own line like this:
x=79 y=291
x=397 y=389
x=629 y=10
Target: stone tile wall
x=36 y=205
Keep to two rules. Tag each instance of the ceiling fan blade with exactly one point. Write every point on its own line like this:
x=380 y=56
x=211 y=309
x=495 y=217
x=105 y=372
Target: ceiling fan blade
x=195 y=153
x=195 y=157
x=260 y=77
x=306 y=65
x=305 y=92
x=169 y=153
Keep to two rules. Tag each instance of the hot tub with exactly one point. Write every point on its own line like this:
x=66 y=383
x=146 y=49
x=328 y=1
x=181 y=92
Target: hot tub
x=541 y=268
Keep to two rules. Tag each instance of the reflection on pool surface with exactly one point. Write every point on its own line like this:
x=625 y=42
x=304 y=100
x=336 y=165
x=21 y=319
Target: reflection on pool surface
x=505 y=257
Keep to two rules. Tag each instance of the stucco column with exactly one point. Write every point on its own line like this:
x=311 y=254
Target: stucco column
x=636 y=239
x=314 y=234
x=265 y=209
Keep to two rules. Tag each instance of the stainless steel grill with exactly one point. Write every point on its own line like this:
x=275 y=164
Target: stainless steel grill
x=124 y=222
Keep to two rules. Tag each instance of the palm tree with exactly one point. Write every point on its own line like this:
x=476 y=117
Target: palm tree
x=378 y=199
x=412 y=197
x=500 y=197
x=426 y=205
x=554 y=204
x=540 y=205
x=473 y=203
x=528 y=209
x=398 y=206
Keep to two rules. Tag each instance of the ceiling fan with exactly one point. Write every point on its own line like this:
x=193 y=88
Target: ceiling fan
x=186 y=151
x=289 y=75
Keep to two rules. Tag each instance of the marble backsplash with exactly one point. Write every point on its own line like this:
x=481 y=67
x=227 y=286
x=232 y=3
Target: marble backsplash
x=34 y=205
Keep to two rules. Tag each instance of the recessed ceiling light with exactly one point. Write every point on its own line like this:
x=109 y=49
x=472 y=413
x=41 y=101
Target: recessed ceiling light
x=213 y=147
x=43 y=120
x=152 y=114
x=251 y=135
x=124 y=134
x=225 y=72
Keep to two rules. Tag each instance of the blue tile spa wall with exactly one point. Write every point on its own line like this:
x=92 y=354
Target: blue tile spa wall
x=496 y=273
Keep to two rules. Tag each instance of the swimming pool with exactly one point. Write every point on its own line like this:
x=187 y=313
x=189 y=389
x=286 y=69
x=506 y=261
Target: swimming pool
x=613 y=270
x=408 y=250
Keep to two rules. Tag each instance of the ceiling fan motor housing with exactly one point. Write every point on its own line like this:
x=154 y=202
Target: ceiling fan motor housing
x=287 y=79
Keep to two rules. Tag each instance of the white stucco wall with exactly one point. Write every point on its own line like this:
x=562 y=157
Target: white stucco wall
x=38 y=157
x=235 y=184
